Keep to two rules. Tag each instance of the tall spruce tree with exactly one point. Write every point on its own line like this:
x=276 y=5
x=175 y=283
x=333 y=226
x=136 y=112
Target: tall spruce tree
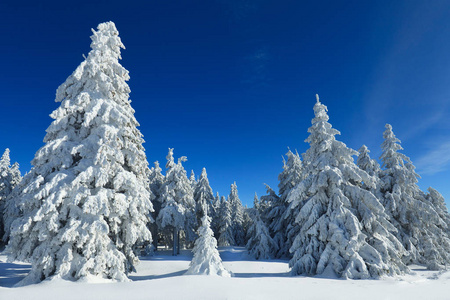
x=156 y=182
x=226 y=234
x=342 y=226
x=272 y=209
x=421 y=229
x=85 y=204
x=203 y=196
x=438 y=201
x=237 y=216
x=9 y=178
x=285 y=229
x=178 y=206
x=260 y=244
x=215 y=216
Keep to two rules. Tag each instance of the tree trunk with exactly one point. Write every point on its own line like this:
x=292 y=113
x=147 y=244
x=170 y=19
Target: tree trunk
x=154 y=231
x=175 y=241
x=178 y=242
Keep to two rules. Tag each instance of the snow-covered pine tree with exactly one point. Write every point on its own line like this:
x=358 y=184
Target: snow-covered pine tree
x=420 y=228
x=266 y=202
x=237 y=216
x=85 y=204
x=171 y=217
x=371 y=166
x=5 y=176
x=283 y=227
x=343 y=227
x=206 y=260
x=215 y=215
x=203 y=196
x=438 y=201
x=156 y=182
x=11 y=211
x=247 y=222
x=272 y=210
x=260 y=244
x=9 y=178
x=226 y=236
x=366 y=163
x=192 y=179
x=178 y=205
x=256 y=202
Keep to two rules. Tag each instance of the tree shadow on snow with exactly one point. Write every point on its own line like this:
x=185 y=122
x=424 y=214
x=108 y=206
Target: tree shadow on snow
x=166 y=257
x=261 y=275
x=233 y=253
x=151 y=277
x=11 y=273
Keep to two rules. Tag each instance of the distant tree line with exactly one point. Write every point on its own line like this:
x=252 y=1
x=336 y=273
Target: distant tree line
x=358 y=219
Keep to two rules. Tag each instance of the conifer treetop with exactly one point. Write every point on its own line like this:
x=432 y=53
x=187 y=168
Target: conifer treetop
x=203 y=195
x=5 y=160
x=101 y=72
x=391 y=145
x=256 y=201
x=106 y=40
x=157 y=167
x=366 y=163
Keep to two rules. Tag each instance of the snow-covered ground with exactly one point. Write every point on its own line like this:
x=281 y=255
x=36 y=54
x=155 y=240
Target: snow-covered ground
x=161 y=277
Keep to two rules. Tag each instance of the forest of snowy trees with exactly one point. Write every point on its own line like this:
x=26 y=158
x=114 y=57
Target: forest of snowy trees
x=359 y=220
x=90 y=205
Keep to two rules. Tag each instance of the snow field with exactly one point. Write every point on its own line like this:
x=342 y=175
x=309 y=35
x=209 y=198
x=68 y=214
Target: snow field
x=161 y=277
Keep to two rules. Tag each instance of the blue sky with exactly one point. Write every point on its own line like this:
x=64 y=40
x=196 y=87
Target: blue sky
x=231 y=84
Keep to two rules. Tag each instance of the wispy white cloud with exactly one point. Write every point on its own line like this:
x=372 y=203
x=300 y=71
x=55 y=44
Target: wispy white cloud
x=435 y=161
x=385 y=97
x=256 y=73
x=426 y=122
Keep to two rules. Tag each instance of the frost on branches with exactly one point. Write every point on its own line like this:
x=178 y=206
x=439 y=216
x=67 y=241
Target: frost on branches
x=206 y=260
x=343 y=227
x=85 y=204
x=422 y=230
x=9 y=178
